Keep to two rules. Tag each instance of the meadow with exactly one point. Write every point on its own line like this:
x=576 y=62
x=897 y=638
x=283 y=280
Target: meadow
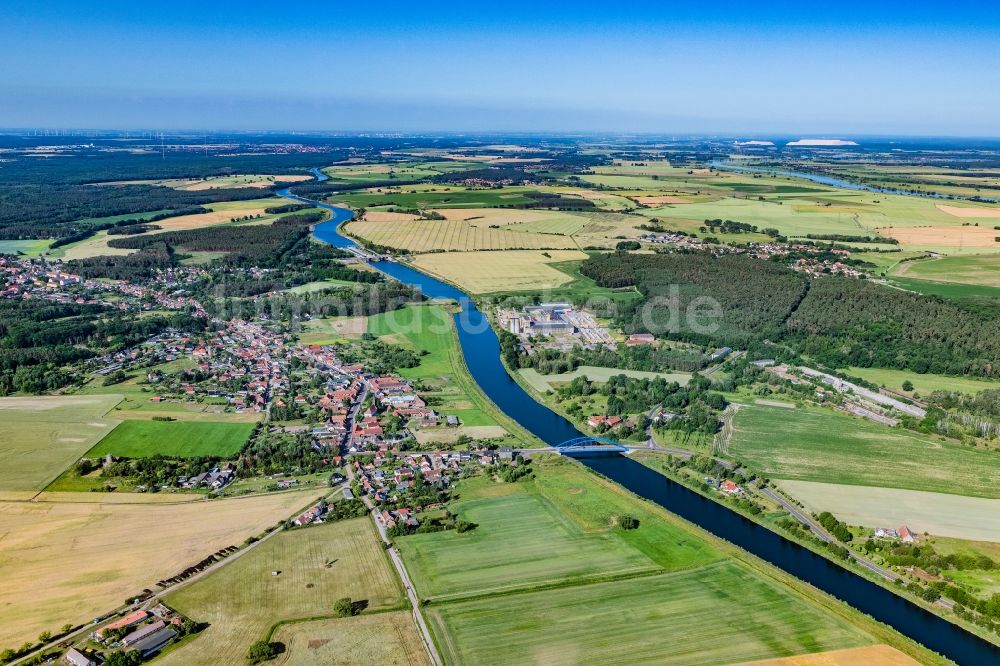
x=180 y=439
x=330 y=330
x=948 y=290
x=30 y=248
x=557 y=529
x=721 y=613
x=922 y=384
x=543 y=383
x=427 y=197
x=532 y=583
x=976 y=269
x=387 y=639
x=442 y=371
x=974 y=518
x=42 y=436
x=829 y=447
x=316 y=566
x=71 y=561
x=512 y=270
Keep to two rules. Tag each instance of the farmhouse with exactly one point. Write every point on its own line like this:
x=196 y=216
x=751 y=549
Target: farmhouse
x=74 y=657
x=906 y=536
x=134 y=617
x=143 y=632
x=729 y=487
x=637 y=339
x=155 y=641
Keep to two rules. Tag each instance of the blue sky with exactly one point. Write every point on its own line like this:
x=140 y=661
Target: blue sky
x=664 y=67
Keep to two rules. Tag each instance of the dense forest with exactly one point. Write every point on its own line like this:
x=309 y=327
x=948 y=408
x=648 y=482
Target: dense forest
x=37 y=339
x=836 y=321
x=48 y=198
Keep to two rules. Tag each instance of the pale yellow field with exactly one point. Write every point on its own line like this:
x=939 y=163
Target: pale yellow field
x=940 y=514
x=221 y=213
x=513 y=270
x=883 y=655
x=427 y=235
x=387 y=216
x=387 y=639
x=68 y=562
x=331 y=329
x=967 y=212
x=316 y=566
x=95 y=246
x=661 y=200
x=217 y=182
x=40 y=437
x=483 y=217
x=943 y=237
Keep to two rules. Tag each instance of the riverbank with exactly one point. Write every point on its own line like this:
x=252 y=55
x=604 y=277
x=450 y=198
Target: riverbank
x=480 y=347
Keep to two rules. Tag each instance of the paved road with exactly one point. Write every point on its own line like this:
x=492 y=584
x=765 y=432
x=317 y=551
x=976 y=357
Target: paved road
x=818 y=530
x=411 y=594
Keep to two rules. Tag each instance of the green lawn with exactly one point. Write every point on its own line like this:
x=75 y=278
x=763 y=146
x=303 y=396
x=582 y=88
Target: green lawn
x=718 y=614
x=827 y=446
x=182 y=439
x=923 y=384
x=429 y=328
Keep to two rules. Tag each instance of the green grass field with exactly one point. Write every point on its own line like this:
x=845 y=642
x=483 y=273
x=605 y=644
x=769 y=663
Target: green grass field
x=531 y=584
x=316 y=565
x=718 y=614
x=923 y=384
x=950 y=290
x=30 y=248
x=181 y=439
x=830 y=447
x=553 y=530
x=42 y=436
x=971 y=269
x=442 y=370
x=522 y=540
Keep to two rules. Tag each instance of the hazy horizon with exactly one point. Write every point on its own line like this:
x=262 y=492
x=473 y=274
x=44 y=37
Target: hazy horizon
x=723 y=70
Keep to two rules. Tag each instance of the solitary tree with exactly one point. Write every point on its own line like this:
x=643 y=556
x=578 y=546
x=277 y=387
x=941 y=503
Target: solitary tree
x=343 y=607
x=907 y=385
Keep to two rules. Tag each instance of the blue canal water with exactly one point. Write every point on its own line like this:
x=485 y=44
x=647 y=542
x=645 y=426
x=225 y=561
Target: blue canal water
x=843 y=184
x=481 y=349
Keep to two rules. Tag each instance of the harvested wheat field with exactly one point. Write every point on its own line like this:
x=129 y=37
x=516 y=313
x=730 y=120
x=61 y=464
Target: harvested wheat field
x=428 y=235
x=931 y=238
x=860 y=656
x=388 y=216
x=295 y=575
x=483 y=217
x=967 y=212
x=387 y=639
x=68 y=562
x=513 y=270
x=660 y=200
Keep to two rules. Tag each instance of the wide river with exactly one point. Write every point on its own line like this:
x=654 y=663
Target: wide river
x=481 y=349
